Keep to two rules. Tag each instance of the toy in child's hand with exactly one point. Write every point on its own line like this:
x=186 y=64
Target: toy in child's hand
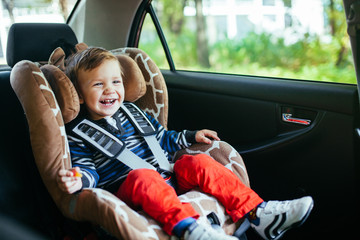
x=76 y=173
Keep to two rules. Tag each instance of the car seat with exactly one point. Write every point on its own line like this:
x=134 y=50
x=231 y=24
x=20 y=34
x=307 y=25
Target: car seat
x=49 y=99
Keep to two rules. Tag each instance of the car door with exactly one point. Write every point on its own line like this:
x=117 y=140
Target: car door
x=297 y=137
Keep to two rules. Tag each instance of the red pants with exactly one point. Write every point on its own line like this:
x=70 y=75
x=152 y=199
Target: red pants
x=146 y=189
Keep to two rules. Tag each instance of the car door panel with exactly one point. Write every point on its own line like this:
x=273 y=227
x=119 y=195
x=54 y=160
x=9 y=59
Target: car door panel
x=254 y=111
x=284 y=159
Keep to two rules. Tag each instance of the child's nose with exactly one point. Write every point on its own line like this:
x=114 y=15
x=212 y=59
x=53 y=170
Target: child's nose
x=109 y=89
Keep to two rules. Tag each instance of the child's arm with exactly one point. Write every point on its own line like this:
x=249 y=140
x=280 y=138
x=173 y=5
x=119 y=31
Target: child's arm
x=82 y=156
x=206 y=136
x=68 y=181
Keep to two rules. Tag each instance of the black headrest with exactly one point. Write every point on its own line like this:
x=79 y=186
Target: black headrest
x=36 y=41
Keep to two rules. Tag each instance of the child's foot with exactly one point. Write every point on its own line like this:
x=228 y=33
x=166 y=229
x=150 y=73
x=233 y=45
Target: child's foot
x=198 y=231
x=278 y=217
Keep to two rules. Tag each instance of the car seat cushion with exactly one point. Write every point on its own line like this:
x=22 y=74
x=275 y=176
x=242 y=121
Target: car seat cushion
x=51 y=153
x=133 y=79
x=64 y=91
x=47 y=134
x=155 y=100
x=50 y=149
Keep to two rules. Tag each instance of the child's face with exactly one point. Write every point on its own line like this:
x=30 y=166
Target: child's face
x=101 y=89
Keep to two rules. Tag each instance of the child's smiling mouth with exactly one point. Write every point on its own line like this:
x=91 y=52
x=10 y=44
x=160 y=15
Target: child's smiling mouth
x=108 y=102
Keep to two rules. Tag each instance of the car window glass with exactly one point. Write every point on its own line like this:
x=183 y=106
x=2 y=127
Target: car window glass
x=13 y=11
x=150 y=43
x=274 y=38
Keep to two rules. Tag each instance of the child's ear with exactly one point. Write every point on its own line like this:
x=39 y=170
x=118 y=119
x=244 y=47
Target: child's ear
x=81 y=99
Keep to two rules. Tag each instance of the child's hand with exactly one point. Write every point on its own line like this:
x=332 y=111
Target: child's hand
x=206 y=136
x=68 y=181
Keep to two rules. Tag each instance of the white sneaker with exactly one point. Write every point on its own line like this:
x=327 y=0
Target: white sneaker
x=278 y=217
x=200 y=231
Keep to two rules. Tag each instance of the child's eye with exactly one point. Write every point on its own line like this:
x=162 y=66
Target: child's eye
x=98 y=84
x=117 y=81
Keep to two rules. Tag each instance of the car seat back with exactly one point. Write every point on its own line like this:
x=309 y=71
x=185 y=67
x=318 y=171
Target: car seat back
x=36 y=41
x=16 y=178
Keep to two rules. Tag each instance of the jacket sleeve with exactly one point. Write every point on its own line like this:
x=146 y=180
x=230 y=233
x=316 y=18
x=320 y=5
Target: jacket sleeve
x=82 y=157
x=172 y=141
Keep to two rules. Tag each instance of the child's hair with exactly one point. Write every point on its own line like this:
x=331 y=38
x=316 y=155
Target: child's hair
x=87 y=59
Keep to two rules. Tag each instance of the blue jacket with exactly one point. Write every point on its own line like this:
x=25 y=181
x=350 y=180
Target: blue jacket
x=100 y=171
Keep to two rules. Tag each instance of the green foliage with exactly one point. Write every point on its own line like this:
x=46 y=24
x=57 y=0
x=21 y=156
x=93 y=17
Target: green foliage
x=173 y=12
x=261 y=55
x=308 y=58
x=183 y=49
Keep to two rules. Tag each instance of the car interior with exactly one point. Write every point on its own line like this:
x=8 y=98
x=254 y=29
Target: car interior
x=295 y=137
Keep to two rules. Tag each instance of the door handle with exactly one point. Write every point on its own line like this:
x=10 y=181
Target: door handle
x=287 y=117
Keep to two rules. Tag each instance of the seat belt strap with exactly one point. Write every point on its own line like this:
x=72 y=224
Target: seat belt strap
x=158 y=152
x=133 y=161
x=139 y=120
x=148 y=132
x=112 y=147
x=109 y=145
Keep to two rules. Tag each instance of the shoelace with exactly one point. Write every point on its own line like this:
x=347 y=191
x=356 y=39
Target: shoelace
x=276 y=206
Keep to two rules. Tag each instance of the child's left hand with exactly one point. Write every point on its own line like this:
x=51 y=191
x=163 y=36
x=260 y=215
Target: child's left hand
x=206 y=136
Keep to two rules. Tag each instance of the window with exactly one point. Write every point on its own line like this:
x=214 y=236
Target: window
x=269 y=2
x=14 y=11
x=150 y=42
x=263 y=38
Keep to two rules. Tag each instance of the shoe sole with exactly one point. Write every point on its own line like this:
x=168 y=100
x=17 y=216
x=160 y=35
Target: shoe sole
x=297 y=224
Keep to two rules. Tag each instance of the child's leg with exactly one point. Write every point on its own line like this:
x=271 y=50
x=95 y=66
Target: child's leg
x=145 y=188
x=212 y=177
x=271 y=220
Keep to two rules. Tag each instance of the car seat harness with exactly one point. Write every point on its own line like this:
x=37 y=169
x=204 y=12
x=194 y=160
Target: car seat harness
x=114 y=148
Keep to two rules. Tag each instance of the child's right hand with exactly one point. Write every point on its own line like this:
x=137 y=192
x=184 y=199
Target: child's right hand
x=68 y=182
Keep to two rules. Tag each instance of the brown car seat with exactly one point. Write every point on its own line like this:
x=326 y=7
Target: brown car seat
x=49 y=98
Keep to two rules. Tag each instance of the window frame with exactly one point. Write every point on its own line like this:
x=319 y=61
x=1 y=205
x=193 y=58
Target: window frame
x=135 y=31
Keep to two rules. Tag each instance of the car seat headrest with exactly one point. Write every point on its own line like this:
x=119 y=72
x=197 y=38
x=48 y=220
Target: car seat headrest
x=36 y=41
x=64 y=90
x=133 y=79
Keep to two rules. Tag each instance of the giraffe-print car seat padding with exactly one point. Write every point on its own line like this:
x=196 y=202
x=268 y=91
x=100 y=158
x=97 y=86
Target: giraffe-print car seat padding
x=47 y=106
x=155 y=99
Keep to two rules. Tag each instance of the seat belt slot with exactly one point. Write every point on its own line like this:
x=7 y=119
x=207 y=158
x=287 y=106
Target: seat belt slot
x=139 y=120
x=99 y=138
